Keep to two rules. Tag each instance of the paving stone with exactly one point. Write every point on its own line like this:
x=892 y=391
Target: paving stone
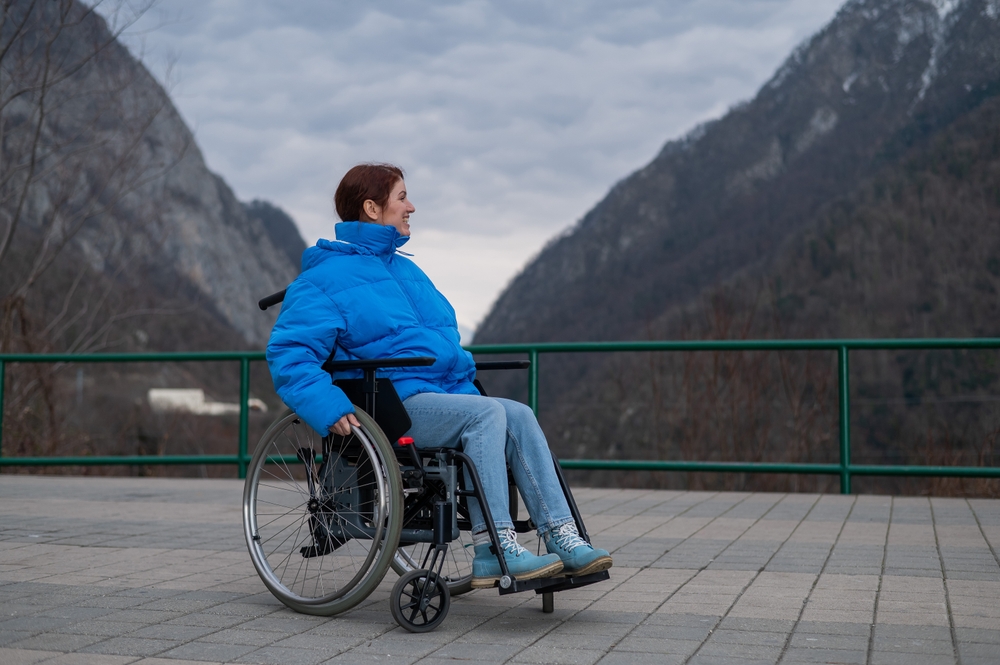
x=105 y=628
x=748 y=638
x=757 y=625
x=207 y=620
x=658 y=645
x=76 y=613
x=257 y=638
x=978 y=635
x=477 y=652
x=910 y=645
x=900 y=658
x=24 y=656
x=130 y=646
x=825 y=655
x=283 y=656
x=729 y=660
x=14 y=636
x=219 y=653
x=180 y=633
x=558 y=656
x=802 y=640
x=57 y=642
x=33 y=624
x=633 y=658
x=975 y=650
x=912 y=632
x=748 y=652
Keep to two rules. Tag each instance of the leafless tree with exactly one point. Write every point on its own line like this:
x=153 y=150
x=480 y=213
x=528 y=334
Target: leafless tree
x=75 y=115
x=82 y=136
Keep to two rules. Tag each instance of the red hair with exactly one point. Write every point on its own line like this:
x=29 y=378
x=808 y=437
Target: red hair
x=364 y=182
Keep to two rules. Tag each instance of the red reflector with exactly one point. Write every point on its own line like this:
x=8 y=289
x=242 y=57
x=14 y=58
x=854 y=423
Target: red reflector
x=405 y=441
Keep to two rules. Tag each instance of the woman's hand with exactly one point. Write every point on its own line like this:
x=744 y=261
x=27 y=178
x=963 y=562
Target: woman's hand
x=343 y=426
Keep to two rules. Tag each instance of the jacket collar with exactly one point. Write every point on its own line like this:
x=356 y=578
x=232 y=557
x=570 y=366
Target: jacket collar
x=375 y=238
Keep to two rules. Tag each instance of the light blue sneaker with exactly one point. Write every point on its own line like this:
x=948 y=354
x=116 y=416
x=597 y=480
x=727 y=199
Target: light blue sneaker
x=521 y=563
x=577 y=555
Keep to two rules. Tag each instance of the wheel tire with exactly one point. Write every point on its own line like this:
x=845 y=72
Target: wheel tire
x=322 y=552
x=405 y=598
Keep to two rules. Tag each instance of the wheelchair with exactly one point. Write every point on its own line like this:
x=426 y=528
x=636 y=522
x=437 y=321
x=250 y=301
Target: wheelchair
x=326 y=517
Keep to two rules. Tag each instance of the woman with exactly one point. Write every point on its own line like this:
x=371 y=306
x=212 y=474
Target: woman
x=360 y=296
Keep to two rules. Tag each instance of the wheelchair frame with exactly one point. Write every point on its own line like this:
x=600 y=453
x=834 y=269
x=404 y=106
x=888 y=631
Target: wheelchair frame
x=378 y=489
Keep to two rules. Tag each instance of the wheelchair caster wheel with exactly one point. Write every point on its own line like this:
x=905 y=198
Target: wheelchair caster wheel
x=417 y=606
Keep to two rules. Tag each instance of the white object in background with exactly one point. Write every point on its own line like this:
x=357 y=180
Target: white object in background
x=192 y=400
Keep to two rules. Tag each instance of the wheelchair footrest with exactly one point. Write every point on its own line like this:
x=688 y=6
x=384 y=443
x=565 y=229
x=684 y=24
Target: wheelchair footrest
x=553 y=584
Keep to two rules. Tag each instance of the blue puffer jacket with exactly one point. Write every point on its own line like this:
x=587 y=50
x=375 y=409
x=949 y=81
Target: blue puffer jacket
x=356 y=294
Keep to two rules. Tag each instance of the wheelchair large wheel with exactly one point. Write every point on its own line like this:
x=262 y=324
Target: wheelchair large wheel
x=322 y=516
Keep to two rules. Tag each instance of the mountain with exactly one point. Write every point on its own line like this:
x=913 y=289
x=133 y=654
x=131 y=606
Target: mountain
x=882 y=77
x=855 y=195
x=115 y=236
x=105 y=193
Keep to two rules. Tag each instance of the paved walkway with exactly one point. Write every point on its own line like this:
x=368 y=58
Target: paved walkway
x=101 y=571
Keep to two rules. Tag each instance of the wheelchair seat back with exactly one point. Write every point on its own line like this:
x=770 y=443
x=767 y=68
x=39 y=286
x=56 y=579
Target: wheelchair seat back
x=389 y=412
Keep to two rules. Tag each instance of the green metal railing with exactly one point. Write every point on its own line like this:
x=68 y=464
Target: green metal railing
x=845 y=469
x=242 y=457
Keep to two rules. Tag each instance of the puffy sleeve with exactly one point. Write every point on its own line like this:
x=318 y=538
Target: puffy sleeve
x=302 y=339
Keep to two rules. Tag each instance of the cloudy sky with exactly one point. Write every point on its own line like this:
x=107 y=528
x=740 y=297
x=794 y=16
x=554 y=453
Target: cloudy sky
x=511 y=118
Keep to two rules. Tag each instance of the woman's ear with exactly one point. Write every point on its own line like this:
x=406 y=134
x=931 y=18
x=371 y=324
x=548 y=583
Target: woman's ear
x=371 y=210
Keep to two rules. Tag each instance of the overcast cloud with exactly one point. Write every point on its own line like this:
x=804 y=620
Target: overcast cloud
x=511 y=119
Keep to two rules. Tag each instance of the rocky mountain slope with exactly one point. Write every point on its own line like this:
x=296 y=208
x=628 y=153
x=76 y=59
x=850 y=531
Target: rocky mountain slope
x=117 y=192
x=856 y=195
x=882 y=77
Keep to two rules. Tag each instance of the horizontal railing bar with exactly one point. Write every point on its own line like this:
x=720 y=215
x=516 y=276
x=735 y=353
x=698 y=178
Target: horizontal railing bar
x=173 y=356
x=726 y=467
x=585 y=464
x=109 y=460
x=550 y=347
x=953 y=471
x=740 y=345
x=778 y=467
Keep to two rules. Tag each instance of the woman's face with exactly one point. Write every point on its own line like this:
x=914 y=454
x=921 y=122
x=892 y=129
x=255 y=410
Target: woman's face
x=396 y=212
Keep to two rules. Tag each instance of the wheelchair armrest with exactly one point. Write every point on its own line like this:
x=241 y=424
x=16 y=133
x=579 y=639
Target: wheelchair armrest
x=378 y=363
x=503 y=364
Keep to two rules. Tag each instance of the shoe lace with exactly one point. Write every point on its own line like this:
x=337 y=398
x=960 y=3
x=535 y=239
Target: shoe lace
x=568 y=538
x=508 y=541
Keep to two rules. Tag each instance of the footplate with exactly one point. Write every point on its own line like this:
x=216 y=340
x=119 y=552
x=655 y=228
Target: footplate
x=552 y=584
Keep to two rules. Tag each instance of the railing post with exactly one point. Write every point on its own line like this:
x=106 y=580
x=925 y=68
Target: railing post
x=844 y=393
x=533 y=381
x=2 y=370
x=244 y=415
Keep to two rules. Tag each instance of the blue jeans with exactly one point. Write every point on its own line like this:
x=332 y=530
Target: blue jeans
x=495 y=433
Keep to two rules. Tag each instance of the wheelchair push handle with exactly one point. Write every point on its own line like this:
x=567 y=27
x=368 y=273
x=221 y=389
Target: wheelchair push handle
x=271 y=300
